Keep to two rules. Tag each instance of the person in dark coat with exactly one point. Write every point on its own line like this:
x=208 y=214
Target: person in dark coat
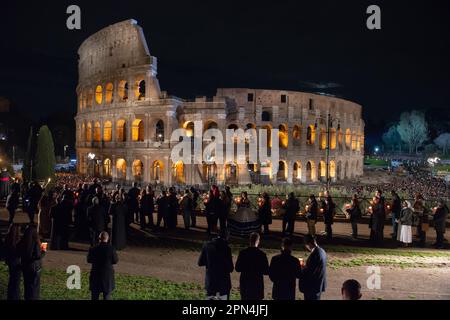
x=396 y=207
x=421 y=212
x=212 y=208
x=81 y=205
x=173 y=209
x=329 y=210
x=265 y=212
x=12 y=260
x=440 y=218
x=98 y=220
x=377 y=219
x=31 y=200
x=133 y=202
x=146 y=207
x=31 y=255
x=311 y=214
x=61 y=216
x=354 y=213
x=216 y=257
x=119 y=212
x=313 y=275
x=12 y=203
x=94 y=186
x=162 y=204
x=284 y=269
x=252 y=263
x=102 y=257
x=224 y=209
x=186 y=208
x=195 y=196
x=291 y=207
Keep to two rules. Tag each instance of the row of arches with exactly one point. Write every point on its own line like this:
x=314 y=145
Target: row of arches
x=92 y=131
x=104 y=94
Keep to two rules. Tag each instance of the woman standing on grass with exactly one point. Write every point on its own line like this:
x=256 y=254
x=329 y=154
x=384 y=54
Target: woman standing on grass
x=31 y=254
x=404 y=234
x=12 y=260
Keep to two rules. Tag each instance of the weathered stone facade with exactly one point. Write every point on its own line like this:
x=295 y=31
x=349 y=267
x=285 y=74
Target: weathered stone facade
x=124 y=121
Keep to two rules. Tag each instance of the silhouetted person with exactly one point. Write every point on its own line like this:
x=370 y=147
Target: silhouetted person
x=172 y=209
x=291 y=207
x=31 y=256
x=102 y=257
x=284 y=269
x=216 y=257
x=61 y=216
x=440 y=218
x=396 y=207
x=31 y=200
x=162 y=203
x=133 y=202
x=351 y=290
x=265 y=212
x=354 y=213
x=313 y=275
x=329 y=211
x=12 y=203
x=311 y=215
x=252 y=263
x=147 y=207
x=97 y=219
x=12 y=260
x=119 y=213
x=195 y=196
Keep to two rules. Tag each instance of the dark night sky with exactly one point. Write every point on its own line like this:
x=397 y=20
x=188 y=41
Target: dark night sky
x=202 y=45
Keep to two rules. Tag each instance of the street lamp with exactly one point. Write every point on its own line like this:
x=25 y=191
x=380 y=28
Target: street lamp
x=65 y=150
x=329 y=122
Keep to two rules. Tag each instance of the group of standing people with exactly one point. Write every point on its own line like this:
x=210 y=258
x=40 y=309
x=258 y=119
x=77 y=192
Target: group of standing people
x=284 y=270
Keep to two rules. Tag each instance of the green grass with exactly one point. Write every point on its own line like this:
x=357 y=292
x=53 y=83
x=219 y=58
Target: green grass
x=128 y=287
x=376 y=162
x=389 y=252
x=443 y=167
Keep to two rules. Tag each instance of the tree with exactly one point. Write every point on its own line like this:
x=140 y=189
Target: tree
x=27 y=170
x=443 y=142
x=392 y=139
x=413 y=129
x=45 y=155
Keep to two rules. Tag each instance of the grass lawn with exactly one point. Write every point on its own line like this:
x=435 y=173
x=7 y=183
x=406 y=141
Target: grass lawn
x=376 y=162
x=443 y=167
x=128 y=287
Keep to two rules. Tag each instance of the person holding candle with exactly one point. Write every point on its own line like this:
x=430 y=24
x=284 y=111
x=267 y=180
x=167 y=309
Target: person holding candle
x=354 y=212
x=102 y=257
x=440 y=218
x=119 y=213
x=313 y=275
x=311 y=215
x=396 y=207
x=31 y=253
x=377 y=221
x=328 y=215
x=265 y=212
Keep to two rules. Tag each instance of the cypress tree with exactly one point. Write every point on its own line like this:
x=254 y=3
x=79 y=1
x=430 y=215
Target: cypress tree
x=45 y=155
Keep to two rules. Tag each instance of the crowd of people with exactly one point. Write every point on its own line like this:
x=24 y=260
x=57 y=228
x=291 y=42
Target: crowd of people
x=75 y=208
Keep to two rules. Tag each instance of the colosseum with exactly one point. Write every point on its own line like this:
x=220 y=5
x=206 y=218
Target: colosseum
x=124 y=122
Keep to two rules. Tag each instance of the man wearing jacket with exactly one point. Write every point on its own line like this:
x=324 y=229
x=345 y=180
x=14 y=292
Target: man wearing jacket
x=313 y=275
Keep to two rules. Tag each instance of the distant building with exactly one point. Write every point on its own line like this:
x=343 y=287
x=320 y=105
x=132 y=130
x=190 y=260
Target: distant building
x=124 y=121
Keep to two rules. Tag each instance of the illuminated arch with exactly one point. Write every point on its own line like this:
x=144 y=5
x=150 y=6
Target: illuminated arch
x=158 y=171
x=297 y=171
x=322 y=170
x=348 y=138
x=268 y=127
x=137 y=169
x=354 y=140
x=310 y=171
x=333 y=139
x=137 y=130
x=123 y=90
x=83 y=132
x=159 y=130
x=283 y=136
x=311 y=135
x=80 y=101
x=121 y=131
x=109 y=92
x=99 y=94
x=250 y=126
x=323 y=139
x=340 y=138
x=89 y=132
x=210 y=124
x=107 y=169
x=178 y=172
x=97 y=132
x=332 y=169
x=296 y=132
x=121 y=168
x=189 y=127
x=140 y=89
x=282 y=171
x=107 y=131
x=231 y=173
